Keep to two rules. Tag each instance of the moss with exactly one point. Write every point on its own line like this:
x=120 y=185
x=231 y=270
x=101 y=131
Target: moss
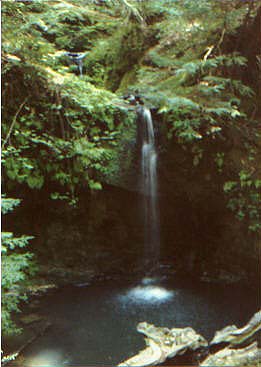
x=128 y=47
x=128 y=79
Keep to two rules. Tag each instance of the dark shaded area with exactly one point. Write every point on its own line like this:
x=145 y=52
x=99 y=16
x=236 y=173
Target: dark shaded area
x=105 y=233
x=83 y=319
x=247 y=42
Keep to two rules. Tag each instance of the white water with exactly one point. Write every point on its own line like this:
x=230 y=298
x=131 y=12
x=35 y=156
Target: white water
x=149 y=291
x=80 y=66
x=147 y=294
x=150 y=190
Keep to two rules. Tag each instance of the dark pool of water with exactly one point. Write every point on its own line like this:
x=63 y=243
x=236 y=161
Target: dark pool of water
x=96 y=325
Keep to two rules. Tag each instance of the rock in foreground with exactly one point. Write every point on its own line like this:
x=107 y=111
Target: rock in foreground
x=249 y=356
x=236 y=336
x=164 y=343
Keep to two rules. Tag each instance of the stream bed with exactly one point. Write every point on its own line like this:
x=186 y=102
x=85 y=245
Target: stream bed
x=94 y=325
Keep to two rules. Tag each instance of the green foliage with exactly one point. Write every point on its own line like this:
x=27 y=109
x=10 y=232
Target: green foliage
x=194 y=76
x=17 y=267
x=205 y=102
x=9 y=204
x=58 y=128
x=219 y=159
x=128 y=47
x=66 y=132
x=123 y=156
x=244 y=199
x=186 y=74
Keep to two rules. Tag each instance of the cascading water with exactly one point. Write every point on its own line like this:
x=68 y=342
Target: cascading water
x=150 y=290
x=150 y=189
x=77 y=58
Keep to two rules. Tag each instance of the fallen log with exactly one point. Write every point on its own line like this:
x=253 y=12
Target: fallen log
x=236 y=336
x=164 y=343
x=248 y=356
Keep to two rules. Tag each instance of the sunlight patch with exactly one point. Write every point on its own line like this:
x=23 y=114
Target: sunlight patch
x=48 y=358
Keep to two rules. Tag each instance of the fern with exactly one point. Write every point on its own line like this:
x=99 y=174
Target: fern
x=8 y=204
x=16 y=269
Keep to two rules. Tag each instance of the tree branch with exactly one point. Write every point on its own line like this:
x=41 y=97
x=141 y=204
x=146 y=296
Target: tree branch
x=13 y=122
x=221 y=39
x=209 y=50
x=132 y=11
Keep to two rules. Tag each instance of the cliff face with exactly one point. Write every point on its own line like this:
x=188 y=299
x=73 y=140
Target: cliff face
x=199 y=236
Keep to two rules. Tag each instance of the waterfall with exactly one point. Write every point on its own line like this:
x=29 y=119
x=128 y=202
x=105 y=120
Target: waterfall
x=149 y=188
x=77 y=58
x=80 y=66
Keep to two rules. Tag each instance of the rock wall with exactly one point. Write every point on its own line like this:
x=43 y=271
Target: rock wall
x=199 y=235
